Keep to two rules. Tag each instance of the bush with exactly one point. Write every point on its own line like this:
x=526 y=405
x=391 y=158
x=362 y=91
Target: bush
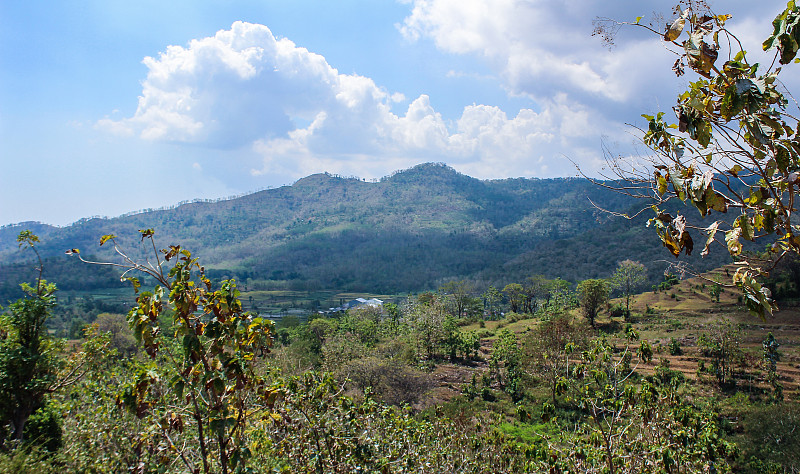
x=666 y=376
x=772 y=434
x=43 y=429
x=391 y=381
x=26 y=461
x=488 y=395
x=675 y=347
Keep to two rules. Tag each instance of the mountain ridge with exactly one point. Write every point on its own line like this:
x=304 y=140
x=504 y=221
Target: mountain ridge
x=405 y=232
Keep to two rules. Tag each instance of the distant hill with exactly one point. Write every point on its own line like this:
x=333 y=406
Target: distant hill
x=409 y=231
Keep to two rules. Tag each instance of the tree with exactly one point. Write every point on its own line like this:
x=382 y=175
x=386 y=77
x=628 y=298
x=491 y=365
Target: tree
x=639 y=427
x=120 y=334
x=208 y=361
x=734 y=147
x=534 y=288
x=460 y=297
x=559 y=296
x=30 y=367
x=514 y=292
x=771 y=358
x=28 y=362
x=715 y=291
x=491 y=298
x=628 y=277
x=550 y=346
x=722 y=345
x=504 y=364
x=593 y=294
x=431 y=326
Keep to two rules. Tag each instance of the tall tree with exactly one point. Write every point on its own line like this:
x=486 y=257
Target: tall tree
x=628 y=277
x=550 y=346
x=534 y=288
x=28 y=364
x=514 y=292
x=491 y=298
x=30 y=367
x=460 y=296
x=593 y=294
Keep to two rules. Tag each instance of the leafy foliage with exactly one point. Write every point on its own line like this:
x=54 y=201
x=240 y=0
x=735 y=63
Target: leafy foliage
x=593 y=293
x=722 y=344
x=550 y=347
x=735 y=145
x=30 y=366
x=210 y=358
x=628 y=277
x=636 y=428
x=28 y=363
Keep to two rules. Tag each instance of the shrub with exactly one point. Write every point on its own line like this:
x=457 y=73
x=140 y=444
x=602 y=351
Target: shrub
x=675 y=347
x=43 y=429
x=391 y=381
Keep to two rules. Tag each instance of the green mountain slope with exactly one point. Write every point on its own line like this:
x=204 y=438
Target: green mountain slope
x=407 y=232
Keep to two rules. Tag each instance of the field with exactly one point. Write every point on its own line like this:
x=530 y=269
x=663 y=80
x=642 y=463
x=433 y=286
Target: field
x=683 y=313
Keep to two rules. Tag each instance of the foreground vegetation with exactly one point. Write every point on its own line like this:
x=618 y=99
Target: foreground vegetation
x=192 y=383
x=540 y=376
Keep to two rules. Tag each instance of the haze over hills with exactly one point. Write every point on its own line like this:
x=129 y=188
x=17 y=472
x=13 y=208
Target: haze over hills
x=409 y=231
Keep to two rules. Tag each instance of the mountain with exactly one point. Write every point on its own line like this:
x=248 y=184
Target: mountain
x=409 y=231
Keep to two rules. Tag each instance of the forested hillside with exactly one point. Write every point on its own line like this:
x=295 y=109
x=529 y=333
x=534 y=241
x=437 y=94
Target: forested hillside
x=410 y=231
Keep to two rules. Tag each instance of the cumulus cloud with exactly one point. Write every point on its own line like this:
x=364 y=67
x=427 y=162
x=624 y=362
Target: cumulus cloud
x=535 y=45
x=245 y=89
x=545 y=51
x=539 y=46
x=230 y=89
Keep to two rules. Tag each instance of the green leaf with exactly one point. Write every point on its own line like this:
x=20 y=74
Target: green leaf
x=179 y=386
x=786 y=34
x=743 y=222
x=135 y=282
x=758 y=299
x=731 y=104
x=716 y=201
x=219 y=385
x=106 y=238
x=147 y=233
x=769 y=220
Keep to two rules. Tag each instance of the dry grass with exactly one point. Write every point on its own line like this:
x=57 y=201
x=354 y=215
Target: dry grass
x=659 y=317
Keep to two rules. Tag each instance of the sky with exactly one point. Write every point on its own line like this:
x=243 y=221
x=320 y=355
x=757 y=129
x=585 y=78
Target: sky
x=109 y=107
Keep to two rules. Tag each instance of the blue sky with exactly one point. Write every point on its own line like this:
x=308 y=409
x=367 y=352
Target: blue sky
x=108 y=107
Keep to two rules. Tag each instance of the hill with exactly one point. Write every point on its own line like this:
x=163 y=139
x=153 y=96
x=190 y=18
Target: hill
x=409 y=231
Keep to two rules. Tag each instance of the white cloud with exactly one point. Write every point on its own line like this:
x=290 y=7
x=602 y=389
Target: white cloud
x=230 y=89
x=544 y=50
x=535 y=44
x=243 y=89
